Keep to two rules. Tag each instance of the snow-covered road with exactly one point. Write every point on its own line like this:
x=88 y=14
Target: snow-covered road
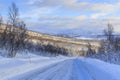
x=59 y=69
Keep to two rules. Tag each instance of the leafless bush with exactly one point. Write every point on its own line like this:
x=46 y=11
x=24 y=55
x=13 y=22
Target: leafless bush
x=108 y=33
x=90 y=51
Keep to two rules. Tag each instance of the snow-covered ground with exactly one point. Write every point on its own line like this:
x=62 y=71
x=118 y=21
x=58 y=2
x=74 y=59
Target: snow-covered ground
x=34 y=67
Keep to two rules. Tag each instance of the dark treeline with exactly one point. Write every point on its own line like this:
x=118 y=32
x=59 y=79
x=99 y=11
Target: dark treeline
x=40 y=48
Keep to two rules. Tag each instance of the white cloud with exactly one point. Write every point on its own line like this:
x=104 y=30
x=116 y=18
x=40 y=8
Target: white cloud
x=78 y=6
x=36 y=13
x=64 y=23
x=44 y=3
x=97 y=15
x=81 y=17
x=87 y=6
x=44 y=10
x=104 y=7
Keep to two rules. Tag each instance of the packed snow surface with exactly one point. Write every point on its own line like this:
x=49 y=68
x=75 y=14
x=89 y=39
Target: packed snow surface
x=57 y=68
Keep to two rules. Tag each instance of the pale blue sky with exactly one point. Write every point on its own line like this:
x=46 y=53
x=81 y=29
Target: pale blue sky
x=61 y=15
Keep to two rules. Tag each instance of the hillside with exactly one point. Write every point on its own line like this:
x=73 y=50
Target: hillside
x=75 y=46
x=71 y=44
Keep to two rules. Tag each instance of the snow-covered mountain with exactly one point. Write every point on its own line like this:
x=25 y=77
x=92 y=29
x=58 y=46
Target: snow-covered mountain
x=79 y=33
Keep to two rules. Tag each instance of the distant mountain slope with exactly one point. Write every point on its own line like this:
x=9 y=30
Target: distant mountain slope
x=70 y=44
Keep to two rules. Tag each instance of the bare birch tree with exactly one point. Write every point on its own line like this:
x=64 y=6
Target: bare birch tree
x=14 y=35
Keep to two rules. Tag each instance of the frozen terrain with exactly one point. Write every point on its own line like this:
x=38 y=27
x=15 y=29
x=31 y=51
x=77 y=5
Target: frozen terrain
x=34 y=67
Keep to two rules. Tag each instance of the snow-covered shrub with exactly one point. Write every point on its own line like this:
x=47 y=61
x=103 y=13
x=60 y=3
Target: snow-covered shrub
x=111 y=57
